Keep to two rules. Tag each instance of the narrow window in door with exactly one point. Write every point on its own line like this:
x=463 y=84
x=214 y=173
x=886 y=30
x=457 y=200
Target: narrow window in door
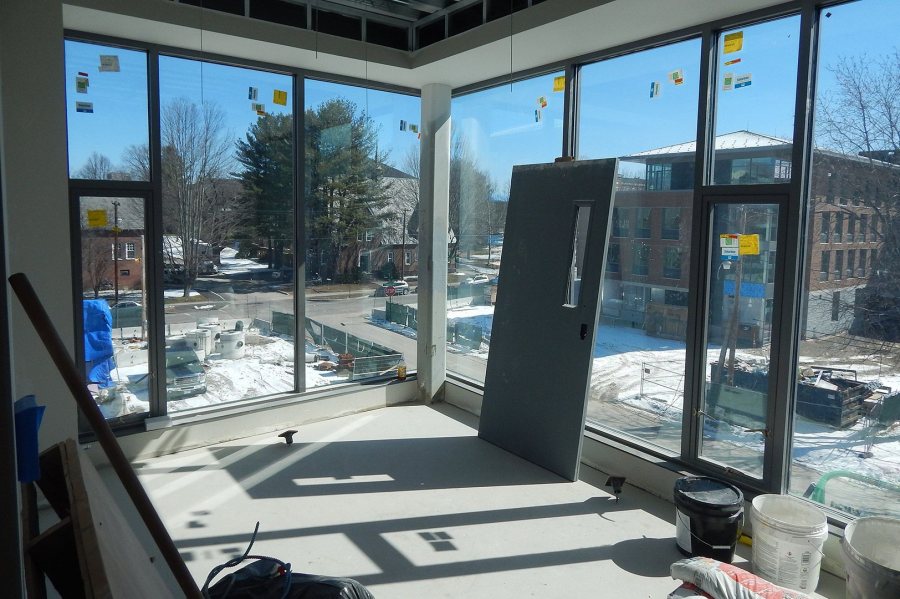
x=576 y=264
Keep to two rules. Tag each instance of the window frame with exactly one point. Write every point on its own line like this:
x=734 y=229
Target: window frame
x=153 y=189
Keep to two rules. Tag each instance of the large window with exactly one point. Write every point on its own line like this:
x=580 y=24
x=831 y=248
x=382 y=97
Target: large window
x=737 y=354
x=637 y=383
x=755 y=91
x=361 y=201
x=227 y=172
x=115 y=345
x=493 y=130
x=848 y=391
x=106 y=91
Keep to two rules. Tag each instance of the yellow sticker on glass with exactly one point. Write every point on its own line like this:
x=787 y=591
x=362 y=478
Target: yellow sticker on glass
x=279 y=97
x=748 y=245
x=559 y=83
x=96 y=219
x=734 y=42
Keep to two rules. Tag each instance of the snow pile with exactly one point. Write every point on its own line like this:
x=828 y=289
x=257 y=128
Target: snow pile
x=267 y=368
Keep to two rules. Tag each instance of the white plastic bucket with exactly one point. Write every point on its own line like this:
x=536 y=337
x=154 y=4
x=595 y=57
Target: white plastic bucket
x=200 y=340
x=232 y=345
x=788 y=535
x=215 y=332
x=872 y=559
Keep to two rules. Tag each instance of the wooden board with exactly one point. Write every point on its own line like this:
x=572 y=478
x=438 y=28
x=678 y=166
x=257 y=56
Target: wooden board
x=92 y=551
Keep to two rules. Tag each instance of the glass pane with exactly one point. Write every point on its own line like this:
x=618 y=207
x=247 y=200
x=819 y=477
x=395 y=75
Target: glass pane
x=492 y=131
x=106 y=91
x=738 y=335
x=228 y=230
x=845 y=452
x=576 y=268
x=637 y=378
x=756 y=90
x=114 y=308
x=362 y=253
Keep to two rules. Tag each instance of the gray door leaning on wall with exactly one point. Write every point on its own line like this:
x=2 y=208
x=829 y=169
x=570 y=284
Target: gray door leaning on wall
x=542 y=337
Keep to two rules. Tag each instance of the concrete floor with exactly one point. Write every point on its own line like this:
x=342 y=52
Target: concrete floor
x=408 y=501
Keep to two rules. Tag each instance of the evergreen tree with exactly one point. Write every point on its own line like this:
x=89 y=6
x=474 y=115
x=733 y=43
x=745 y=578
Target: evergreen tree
x=267 y=157
x=344 y=186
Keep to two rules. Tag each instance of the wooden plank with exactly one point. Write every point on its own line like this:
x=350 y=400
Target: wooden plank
x=53 y=482
x=130 y=571
x=90 y=559
x=53 y=551
x=35 y=586
x=92 y=552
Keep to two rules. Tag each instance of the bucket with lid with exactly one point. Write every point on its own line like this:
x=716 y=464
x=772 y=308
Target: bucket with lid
x=871 y=558
x=709 y=517
x=788 y=535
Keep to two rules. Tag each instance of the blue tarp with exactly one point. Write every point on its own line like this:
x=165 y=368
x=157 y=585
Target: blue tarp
x=98 y=346
x=747 y=289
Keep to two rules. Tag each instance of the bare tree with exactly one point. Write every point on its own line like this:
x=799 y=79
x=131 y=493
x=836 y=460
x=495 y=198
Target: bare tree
x=136 y=159
x=471 y=195
x=97 y=166
x=200 y=203
x=861 y=115
x=96 y=260
x=858 y=168
x=475 y=214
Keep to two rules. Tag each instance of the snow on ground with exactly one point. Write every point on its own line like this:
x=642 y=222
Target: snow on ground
x=179 y=293
x=265 y=369
x=230 y=264
x=482 y=316
x=623 y=355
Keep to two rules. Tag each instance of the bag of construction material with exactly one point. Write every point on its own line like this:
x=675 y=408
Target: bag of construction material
x=271 y=578
x=725 y=581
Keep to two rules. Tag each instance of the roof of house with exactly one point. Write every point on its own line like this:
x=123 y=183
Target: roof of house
x=736 y=140
x=747 y=140
x=130 y=211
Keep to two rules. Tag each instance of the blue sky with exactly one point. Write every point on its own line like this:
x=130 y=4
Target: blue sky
x=119 y=99
x=618 y=117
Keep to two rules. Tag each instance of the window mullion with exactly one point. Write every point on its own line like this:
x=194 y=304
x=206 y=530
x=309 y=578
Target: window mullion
x=156 y=315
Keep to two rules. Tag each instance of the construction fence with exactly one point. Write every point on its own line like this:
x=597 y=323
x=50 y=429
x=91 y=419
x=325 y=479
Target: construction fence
x=459 y=333
x=340 y=341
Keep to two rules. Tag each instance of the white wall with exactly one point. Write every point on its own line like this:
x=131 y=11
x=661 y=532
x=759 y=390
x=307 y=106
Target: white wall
x=33 y=134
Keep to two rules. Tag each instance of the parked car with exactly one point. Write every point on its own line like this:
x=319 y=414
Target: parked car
x=400 y=288
x=126 y=314
x=207 y=267
x=477 y=279
x=185 y=376
x=173 y=273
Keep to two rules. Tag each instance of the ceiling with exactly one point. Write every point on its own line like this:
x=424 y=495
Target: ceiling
x=400 y=24
x=543 y=33
x=405 y=10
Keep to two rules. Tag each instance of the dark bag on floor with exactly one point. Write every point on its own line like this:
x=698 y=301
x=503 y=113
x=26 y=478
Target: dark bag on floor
x=270 y=578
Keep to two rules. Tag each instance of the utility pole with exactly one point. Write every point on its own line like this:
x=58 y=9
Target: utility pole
x=116 y=252
x=403 y=248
